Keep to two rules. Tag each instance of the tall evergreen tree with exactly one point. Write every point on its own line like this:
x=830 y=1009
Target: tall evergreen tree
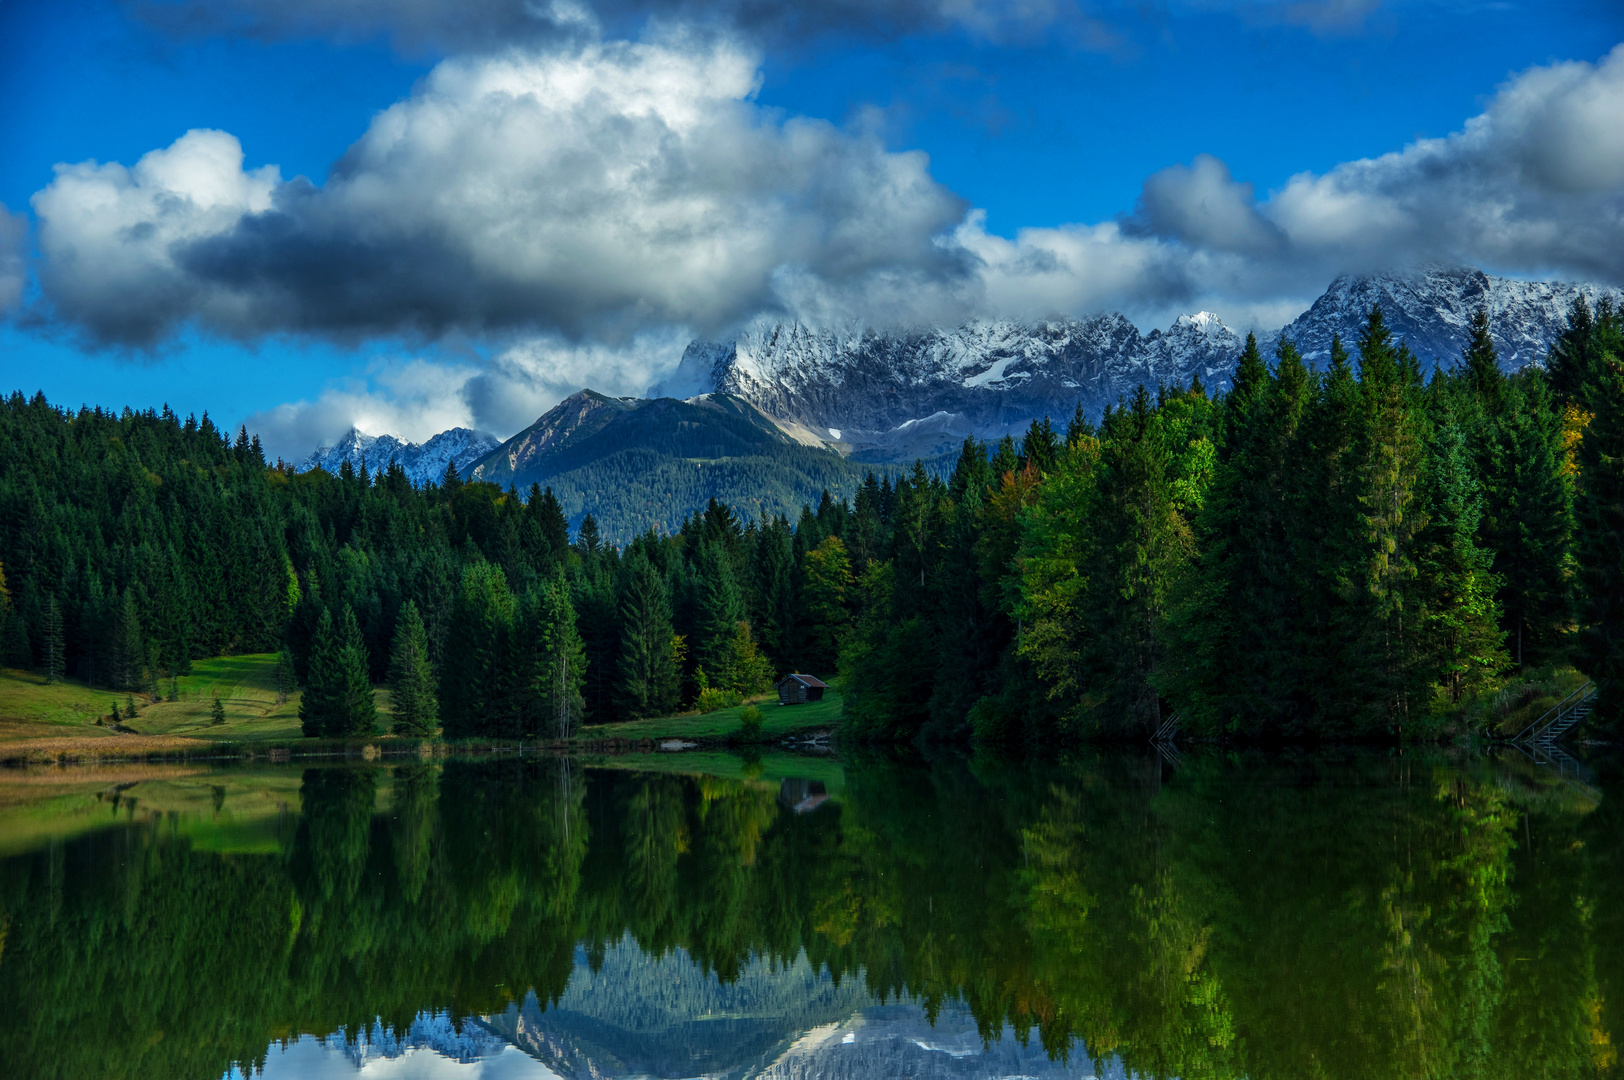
x=411 y=680
x=472 y=670
x=55 y=658
x=649 y=667
x=316 y=704
x=1392 y=450
x=1461 y=631
x=719 y=610
x=559 y=678
x=1600 y=548
x=354 y=711
x=1527 y=522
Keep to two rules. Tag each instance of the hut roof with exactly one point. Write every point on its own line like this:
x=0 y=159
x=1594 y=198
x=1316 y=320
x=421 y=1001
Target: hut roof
x=804 y=680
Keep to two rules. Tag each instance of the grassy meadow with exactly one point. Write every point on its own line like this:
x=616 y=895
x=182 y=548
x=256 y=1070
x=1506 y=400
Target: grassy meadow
x=43 y=722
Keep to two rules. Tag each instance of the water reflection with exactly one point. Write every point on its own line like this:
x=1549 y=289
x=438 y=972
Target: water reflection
x=1352 y=915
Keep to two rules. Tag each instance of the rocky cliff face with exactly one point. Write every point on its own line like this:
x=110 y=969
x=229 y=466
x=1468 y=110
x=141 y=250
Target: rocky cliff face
x=1432 y=309
x=864 y=387
x=890 y=395
x=424 y=462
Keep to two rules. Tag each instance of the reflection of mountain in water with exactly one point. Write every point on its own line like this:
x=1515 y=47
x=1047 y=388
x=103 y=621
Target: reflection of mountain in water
x=664 y=1016
x=646 y=1016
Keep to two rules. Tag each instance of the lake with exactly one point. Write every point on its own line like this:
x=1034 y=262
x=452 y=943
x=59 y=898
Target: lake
x=1351 y=914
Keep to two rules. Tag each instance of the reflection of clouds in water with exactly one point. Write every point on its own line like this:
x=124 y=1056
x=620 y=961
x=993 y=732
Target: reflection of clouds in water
x=311 y=1058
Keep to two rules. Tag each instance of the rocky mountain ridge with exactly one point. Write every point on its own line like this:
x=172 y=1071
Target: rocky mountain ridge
x=859 y=387
x=1432 y=309
x=423 y=462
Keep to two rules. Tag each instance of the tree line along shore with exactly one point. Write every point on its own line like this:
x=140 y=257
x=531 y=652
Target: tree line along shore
x=1351 y=552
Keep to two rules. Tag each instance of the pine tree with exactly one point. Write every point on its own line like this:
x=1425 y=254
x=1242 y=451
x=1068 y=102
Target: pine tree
x=1391 y=458
x=55 y=660
x=472 y=670
x=411 y=681
x=825 y=599
x=1456 y=587
x=555 y=531
x=217 y=711
x=285 y=681
x=563 y=668
x=1041 y=447
x=648 y=666
x=1527 y=523
x=315 y=704
x=129 y=646
x=719 y=610
x=1482 y=364
x=1234 y=666
x=1142 y=546
x=354 y=711
x=1600 y=541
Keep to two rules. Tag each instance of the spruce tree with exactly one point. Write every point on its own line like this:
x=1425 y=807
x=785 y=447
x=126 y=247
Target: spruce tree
x=1456 y=587
x=1482 y=363
x=316 y=704
x=411 y=681
x=129 y=645
x=354 y=711
x=719 y=610
x=1600 y=542
x=1527 y=523
x=1391 y=453
x=473 y=671
x=1142 y=545
x=560 y=676
x=217 y=711
x=55 y=659
x=286 y=683
x=648 y=651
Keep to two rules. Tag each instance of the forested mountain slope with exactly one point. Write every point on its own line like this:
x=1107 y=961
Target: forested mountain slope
x=637 y=463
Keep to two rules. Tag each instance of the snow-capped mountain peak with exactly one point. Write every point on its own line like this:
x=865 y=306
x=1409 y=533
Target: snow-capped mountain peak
x=423 y=462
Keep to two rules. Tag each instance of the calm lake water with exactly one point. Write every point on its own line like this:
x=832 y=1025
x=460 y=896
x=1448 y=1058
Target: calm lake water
x=1358 y=915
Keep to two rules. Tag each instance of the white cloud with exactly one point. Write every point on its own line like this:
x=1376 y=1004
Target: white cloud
x=576 y=211
x=110 y=236
x=412 y=399
x=595 y=191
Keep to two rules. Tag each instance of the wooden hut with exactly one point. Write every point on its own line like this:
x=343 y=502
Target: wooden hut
x=800 y=689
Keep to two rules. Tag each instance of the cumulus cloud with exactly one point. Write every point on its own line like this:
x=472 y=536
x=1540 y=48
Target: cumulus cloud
x=1534 y=183
x=594 y=191
x=13 y=257
x=412 y=399
x=578 y=211
x=529 y=377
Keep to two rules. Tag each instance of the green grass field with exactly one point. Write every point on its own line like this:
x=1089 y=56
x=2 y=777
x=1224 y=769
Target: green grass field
x=777 y=722
x=246 y=686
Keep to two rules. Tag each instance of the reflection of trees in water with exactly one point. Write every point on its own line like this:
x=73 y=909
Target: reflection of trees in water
x=1267 y=917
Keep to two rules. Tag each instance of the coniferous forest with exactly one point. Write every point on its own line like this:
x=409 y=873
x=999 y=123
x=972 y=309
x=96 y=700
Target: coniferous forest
x=1356 y=551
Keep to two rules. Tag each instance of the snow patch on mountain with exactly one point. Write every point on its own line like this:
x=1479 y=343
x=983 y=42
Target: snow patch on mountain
x=994 y=376
x=423 y=462
x=1431 y=308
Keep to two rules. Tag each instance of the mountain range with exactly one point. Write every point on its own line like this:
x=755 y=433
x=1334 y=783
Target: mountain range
x=423 y=462
x=770 y=418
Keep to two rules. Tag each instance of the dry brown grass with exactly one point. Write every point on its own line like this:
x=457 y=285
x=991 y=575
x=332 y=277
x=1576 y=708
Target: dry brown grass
x=97 y=748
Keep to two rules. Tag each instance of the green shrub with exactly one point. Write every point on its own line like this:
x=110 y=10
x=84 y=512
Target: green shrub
x=750 y=719
x=712 y=698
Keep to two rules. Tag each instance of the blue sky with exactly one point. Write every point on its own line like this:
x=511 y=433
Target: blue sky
x=460 y=268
